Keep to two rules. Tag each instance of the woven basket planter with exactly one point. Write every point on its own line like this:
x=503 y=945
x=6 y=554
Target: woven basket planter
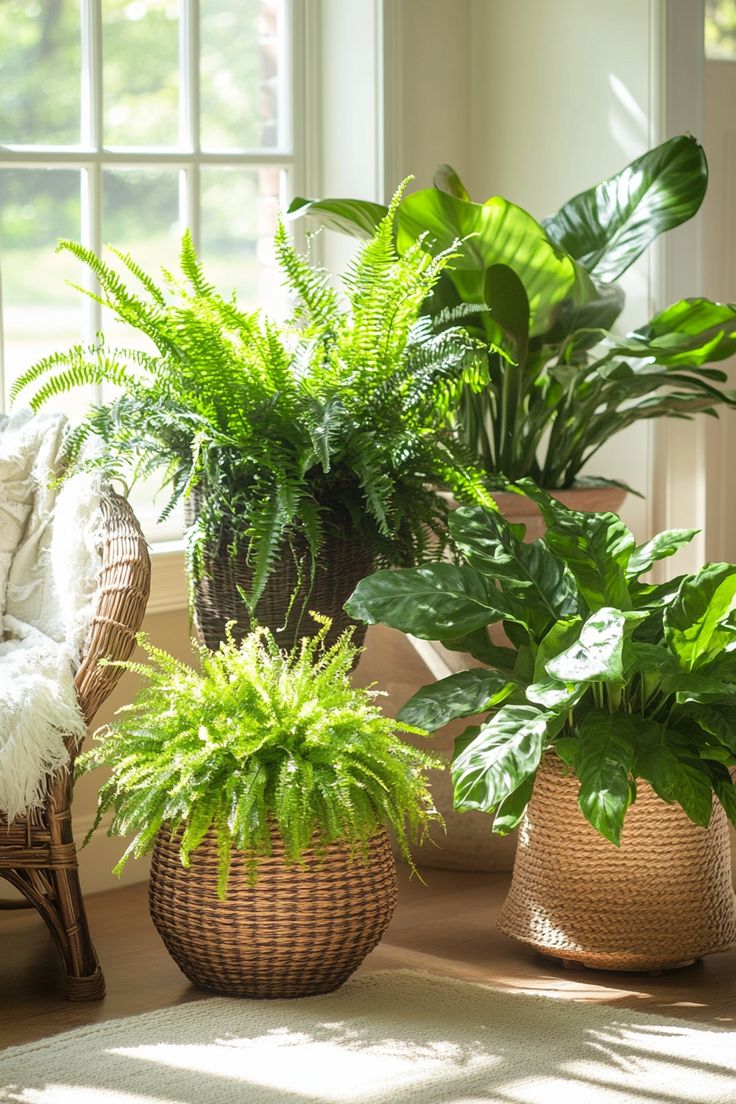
x=662 y=899
x=217 y=598
x=300 y=930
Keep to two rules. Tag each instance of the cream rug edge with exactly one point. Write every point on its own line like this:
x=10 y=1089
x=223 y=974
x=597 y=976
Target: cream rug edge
x=390 y=1037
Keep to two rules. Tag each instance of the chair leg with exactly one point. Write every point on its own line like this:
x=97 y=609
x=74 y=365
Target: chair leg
x=57 y=896
x=84 y=978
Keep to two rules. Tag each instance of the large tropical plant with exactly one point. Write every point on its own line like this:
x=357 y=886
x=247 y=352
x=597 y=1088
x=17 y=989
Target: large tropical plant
x=253 y=740
x=547 y=294
x=335 y=423
x=622 y=679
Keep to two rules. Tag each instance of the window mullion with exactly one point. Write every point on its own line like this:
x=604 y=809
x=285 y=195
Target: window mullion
x=91 y=197
x=92 y=74
x=190 y=117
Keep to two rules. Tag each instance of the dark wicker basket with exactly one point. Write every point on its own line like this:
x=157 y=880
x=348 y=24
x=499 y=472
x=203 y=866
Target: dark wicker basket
x=300 y=930
x=217 y=599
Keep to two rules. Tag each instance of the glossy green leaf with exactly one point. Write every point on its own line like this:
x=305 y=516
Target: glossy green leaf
x=687 y=334
x=726 y=793
x=658 y=548
x=595 y=547
x=479 y=645
x=433 y=601
x=588 y=321
x=607 y=227
x=698 y=688
x=357 y=217
x=561 y=636
x=458 y=695
x=493 y=233
x=695 y=623
x=603 y=764
x=507 y=299
x=447 y=180
x=551 y=693
x=674 y=773
x=531 y=578
x=641 y=657
x=505 y=752
x=597 y=654
x=510 y=812
x=718 y=719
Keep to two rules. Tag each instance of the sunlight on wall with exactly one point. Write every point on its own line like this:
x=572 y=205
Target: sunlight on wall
x=628 y=123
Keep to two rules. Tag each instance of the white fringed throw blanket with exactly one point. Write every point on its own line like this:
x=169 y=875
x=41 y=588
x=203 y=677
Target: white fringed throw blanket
x=49 y=561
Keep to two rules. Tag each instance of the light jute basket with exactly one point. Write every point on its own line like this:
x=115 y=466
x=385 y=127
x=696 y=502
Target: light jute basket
x=663 y=899
x=301 y=929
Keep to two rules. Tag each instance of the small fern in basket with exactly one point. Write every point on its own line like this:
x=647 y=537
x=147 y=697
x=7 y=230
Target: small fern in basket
x=337 y=422
x=258 y=739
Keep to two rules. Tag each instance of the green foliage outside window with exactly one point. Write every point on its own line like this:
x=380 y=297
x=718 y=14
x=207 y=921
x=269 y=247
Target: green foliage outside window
x=720 y=29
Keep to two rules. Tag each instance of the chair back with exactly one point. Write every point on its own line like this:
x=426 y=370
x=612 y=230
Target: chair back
x=122 y=593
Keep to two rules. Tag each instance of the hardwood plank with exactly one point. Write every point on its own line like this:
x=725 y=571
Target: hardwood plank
x=446 y=926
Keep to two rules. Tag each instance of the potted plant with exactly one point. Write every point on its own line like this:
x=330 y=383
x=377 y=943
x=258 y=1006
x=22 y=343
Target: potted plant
x=569 y=381
x=306 y=453
x=264 y=784
x=614 y=695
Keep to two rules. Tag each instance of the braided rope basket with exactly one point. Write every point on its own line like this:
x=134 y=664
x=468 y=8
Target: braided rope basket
x=288 y=596
x=662 y=899
x=300 y=930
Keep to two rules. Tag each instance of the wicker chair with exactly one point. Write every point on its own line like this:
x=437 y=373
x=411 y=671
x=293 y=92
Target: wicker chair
x=37 y=851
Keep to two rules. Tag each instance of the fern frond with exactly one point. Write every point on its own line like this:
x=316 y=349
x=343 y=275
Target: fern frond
x=311 y=286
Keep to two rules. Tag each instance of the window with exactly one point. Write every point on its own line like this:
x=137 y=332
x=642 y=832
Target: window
x=125 y=121
x=720 y=30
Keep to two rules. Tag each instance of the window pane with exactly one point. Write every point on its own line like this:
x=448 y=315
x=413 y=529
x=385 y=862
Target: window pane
x=239 y=212
x=41 y=313
x=40 y=61
x=140 y=216
x=720 y=29
x=240 y=74
x=140 y=72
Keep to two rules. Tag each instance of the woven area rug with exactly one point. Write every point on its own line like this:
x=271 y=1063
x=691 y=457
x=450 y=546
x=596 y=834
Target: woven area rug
x=385 y=1038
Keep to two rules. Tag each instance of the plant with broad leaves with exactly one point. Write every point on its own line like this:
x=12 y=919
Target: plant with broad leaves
x=257 y=739
x=622 y=679
x=547 y=294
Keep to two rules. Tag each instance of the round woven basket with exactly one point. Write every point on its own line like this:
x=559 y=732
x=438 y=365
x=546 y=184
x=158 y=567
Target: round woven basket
x=300 y=930
x=288 y=597
x=662 y=899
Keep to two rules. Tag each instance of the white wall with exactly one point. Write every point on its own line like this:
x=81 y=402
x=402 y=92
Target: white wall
x=428 y=80
x=561 y=97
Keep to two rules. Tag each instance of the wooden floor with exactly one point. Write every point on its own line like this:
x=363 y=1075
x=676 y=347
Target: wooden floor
x=445 y=926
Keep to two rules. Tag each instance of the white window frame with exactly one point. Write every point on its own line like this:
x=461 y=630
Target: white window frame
x=91 y=157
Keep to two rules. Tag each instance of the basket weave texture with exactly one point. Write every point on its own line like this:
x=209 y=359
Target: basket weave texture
x=217 y=599
x=300 y=930
x=662 y=899
x=37 y=851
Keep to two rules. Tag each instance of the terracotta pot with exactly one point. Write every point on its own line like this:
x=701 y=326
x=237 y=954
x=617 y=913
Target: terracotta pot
x=663 y=899
x=469 y=843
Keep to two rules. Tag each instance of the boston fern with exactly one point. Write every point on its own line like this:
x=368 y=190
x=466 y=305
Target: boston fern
x=259 y=739
x=624 y=680
x=337 y=421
